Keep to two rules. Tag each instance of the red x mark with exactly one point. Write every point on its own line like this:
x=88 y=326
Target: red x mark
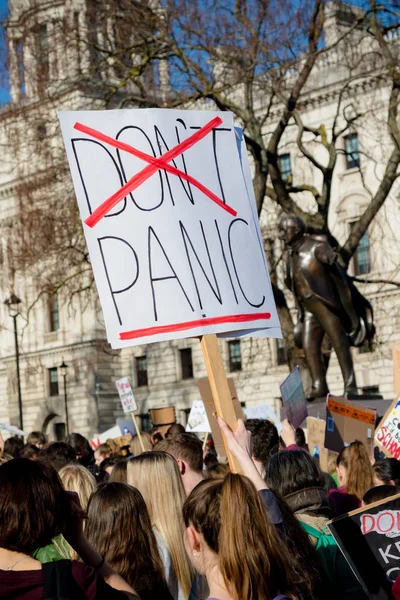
x=155 y=164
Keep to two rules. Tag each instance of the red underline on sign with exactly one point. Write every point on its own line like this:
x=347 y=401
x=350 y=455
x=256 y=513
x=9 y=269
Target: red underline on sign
x=137 y=333
x=155 y=164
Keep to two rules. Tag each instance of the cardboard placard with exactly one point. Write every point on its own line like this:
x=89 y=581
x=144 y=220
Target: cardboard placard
x=206 y=394
x=294 y=398
x=370 y=541
x=170 y=224
x=263 y=411
x=198 y=420
x=126 y=395
x=113 y=433
x=316 y=441
x=387 y=434
x=162 y=416
x=347 y=421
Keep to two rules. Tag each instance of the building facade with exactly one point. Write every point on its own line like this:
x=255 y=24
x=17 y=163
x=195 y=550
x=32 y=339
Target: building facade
x=48 y=63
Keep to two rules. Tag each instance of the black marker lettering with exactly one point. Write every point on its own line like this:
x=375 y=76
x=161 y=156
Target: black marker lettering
x=234 y=265
x=186 y=238
x=122 y=152
x=74 y=148
x=160 y=139
x=214 y=140
x=128 y=287
x=151 y=233
x=225 y=261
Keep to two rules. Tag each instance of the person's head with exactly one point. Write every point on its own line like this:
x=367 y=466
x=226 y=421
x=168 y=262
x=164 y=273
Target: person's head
x=37 y=438
x=265 y=440
x=120 y=529
x=210 y=461
x=292 y=228
x=386 y=472
x=13 y=446
x=58 y=454
x=76 y=478
x=380 y=492
x=227 y=528
x=291 y=471
x=187 y=449
x=354 y=469
x=219 y=470
x=156 y=475
x=119 y=471
x=174 y=429
x=102 y=452
x=107 y=467
x=30 y=451
x=34 y=507
x=135 y=446
x=301 y=439
x=80 y=444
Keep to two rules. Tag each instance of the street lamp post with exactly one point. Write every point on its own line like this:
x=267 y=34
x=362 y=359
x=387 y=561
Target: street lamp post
x=63 y=368
x=12 y=304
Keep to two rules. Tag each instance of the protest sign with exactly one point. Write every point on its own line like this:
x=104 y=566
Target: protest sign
x=370 y=541
x=126 y=395
x=126 y=427
x=294 y=398
x=101 y=438
x=263 y=411
x=198 y=420
x=316 y=441
x=387 y=435
x=347 y=421
x=172 y=233
x=12 y=430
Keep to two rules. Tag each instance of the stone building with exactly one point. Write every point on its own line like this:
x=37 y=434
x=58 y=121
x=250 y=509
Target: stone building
x=47 y=69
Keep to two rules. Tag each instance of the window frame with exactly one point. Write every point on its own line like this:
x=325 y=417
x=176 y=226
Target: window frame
x=53 y=385
x=353 y=157
x=142 y=375
x=281 y=157
x=233 y=368
x=189 y=365
x=281 y=354
x=53 y=313
x=356 y=259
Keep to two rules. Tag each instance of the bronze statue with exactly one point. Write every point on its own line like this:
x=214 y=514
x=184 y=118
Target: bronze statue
x=328 y=303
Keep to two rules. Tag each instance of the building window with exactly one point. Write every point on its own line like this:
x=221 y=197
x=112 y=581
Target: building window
x=186 y=363
x=59 y=431
x=43 y=57
x=285 y=166
x=54 y=315
x=53 y=381
x=235 y=356
x=352 y=149
x=281 y=355
x=371 y=389
x=141 y=371
x=145 y=422
x=362 y=257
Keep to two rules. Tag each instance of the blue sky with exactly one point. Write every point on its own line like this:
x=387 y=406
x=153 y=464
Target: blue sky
x=4 y=91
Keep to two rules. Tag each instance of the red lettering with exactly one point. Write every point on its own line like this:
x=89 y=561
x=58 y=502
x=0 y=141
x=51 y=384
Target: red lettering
x=367 y=524
x=388 y=519
x=381 y=434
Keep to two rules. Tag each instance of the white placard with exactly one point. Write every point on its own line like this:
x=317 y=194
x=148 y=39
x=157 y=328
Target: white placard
x=263 y=411
x=126 y=395
x=172 y=258
x=101 y=438
x=198 y=420
x=12 y=429
x=387 y=434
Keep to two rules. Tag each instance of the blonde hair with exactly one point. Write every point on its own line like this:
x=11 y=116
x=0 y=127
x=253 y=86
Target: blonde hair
x=75 y=478
x=356 y=461
x=156 y=475
x=135 y=446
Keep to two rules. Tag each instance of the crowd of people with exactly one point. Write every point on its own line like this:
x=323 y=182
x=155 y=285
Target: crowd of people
x=173 y=523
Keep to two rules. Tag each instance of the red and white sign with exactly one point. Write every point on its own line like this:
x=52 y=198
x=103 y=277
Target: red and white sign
x=126 y=395
x=171 y=224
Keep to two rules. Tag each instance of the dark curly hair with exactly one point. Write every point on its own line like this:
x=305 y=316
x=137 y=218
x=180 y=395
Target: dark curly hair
x=265 y=438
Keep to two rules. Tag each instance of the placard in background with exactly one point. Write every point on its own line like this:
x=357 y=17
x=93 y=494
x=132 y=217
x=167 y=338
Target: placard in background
x=370 y=541
x=198 y=420
x=126 y=395
x=294 y=398
x=263 y=411
x=387 y=434
x=346 y=422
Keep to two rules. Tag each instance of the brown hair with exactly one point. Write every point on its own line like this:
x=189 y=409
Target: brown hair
x=253 y=560
x=34 y=507
x=118 y=472
x=355 y=460
x=119 y=528
x=36 y=437
x=186 y=447
x=104 y=449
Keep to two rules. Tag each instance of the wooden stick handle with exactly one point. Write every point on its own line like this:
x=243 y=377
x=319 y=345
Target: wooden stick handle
x=219 y=388
x=138 y=432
